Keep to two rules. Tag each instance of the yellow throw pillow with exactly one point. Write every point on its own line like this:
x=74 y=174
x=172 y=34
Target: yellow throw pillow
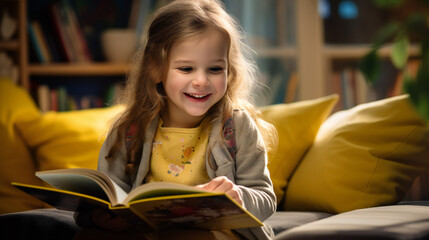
x=68 y=139
x=362 y=157
x=297 y=124
x=16 y=163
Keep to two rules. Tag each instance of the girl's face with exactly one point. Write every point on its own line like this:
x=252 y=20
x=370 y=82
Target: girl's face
x=196 y=78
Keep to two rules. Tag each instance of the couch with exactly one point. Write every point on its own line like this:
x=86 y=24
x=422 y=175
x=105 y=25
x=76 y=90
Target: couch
x=336 y=176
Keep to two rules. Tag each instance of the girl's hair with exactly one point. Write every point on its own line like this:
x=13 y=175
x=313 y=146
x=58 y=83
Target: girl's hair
x=144 y=94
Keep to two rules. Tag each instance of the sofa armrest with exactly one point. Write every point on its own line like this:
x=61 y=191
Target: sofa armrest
x=405 y=221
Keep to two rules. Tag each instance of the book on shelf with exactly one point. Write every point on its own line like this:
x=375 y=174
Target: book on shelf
x=284 y=87
x=411 y=69
x=52 y=39
x=162 y=205
x=61 y=33
x=39 y=41
x=54 y=99
x=62 y=99
x=278 y=85
x=292 y=88
x=36 y=42
x=43 y=98
x=348 y=89
x=337 y=88
x=75 y=33
x=70 y=35
x=113 y=94
x=71 y=39
x=351 y=86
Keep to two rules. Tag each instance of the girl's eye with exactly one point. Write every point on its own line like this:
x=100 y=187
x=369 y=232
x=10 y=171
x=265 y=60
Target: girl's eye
x=216 y=69
x=186 y=69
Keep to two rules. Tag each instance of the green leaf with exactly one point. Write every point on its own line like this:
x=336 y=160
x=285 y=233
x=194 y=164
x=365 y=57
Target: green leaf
x=416 y=24
x=400 y=52
x=418 y=89
x=370 y=66
x=385 y=34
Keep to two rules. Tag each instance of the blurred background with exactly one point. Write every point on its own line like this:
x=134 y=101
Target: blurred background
x=61 y=50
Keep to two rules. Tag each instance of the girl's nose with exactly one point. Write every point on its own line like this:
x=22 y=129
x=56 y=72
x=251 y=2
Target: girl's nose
x=201 y=79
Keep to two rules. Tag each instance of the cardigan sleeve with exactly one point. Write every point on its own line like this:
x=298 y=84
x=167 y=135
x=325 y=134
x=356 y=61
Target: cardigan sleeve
x=252 y=175
x=114 y=168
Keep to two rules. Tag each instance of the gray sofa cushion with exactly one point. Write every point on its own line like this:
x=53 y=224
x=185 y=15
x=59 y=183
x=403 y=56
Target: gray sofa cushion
x=387 y=222
x=284 y=220
x=38 y=224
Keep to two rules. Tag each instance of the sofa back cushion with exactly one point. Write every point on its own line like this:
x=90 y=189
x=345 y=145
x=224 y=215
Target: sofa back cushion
x=362 y=157
x=296 y=124
x=68 y=139
x=16 y=163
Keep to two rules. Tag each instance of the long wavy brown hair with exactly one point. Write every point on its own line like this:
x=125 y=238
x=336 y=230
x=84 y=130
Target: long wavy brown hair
x=144 y=95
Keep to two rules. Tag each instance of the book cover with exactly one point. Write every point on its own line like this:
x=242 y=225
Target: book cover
x=60 y=31
x=161 y=205
x=75 y=32
x=35 y=43
x=362 y=88
x=41 y=41
x=62 y=99
x=337 y=88
x=43 y=98
x=54 y=99
x=292 y=88
x=71 y=37
x=277 y=85
x=347 y=88
x=52 y=39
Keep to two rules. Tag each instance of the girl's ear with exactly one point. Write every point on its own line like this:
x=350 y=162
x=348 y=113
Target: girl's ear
x=160 y=88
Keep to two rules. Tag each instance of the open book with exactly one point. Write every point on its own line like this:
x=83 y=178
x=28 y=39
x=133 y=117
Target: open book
x=161 y=205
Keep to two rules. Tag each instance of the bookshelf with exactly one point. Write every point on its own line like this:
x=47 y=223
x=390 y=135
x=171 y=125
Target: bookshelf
x=32 y=71
x=60 y=74
x=11 y=45
x=298 y=48
x=330 y=58
x=16 y=46
x=358 y=50
x=78 y=69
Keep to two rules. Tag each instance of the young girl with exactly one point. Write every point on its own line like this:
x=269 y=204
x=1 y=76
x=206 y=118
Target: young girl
x=191 y=82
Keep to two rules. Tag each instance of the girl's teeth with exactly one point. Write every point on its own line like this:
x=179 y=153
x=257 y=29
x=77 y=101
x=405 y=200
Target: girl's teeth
x=197 y=96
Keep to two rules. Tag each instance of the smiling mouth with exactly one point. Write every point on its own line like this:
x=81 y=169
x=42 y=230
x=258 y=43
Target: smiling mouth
x=197 y=96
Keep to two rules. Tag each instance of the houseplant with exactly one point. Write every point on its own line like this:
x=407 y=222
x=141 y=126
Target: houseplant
x=411 y=27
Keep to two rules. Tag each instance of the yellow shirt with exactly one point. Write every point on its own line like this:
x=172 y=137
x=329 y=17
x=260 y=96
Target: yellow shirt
x=178 y=155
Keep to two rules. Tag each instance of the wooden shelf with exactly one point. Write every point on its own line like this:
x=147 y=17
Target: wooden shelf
x=358 y=51
x=9 y=45
x=78 y=69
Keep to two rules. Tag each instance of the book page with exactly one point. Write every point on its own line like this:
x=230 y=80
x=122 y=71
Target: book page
x=158 y=189
x=86 y=181
x=75 y=183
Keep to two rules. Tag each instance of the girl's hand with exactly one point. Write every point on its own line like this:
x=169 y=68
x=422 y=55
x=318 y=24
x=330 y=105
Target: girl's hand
x=223 y=184
x=106 y=221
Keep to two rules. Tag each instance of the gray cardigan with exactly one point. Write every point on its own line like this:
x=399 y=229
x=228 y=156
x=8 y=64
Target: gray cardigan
x=249 y=171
